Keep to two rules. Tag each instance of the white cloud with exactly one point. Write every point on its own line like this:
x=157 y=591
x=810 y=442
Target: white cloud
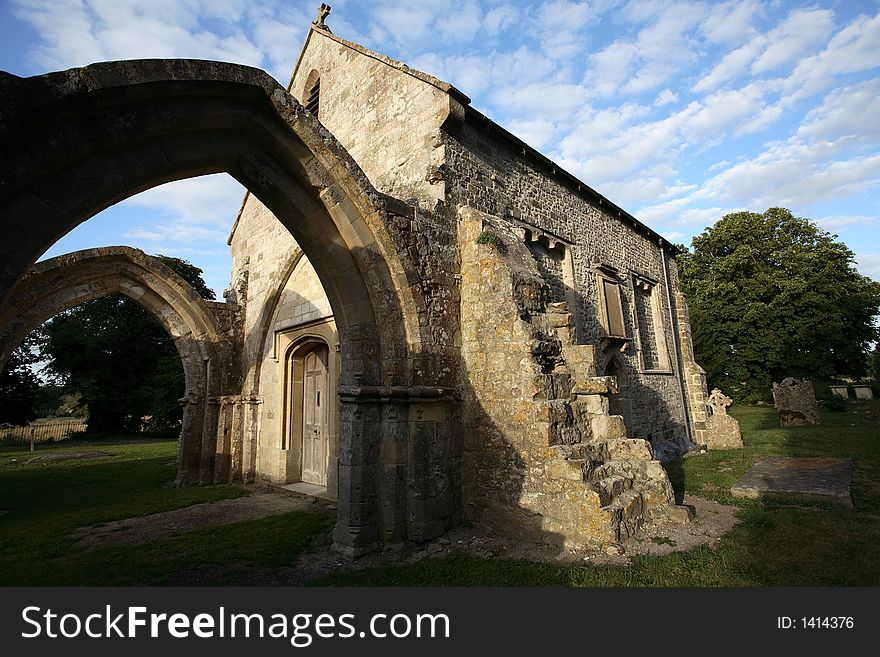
x=475 y=74
x=731 y=22
x=500 y=18
x=665 y=97
x=793 y=175
x=206 y=200
x=537 y=133
x=633 y=66
x=868 y=265
x=76 y=33
x=800 y=33
x=175 y=233
x=628 y=193
x=853 y=110
x=832 y=224
x=731 y=65
x=462 y=24
x=723 y=108
x=552 y=100
x=853 y=49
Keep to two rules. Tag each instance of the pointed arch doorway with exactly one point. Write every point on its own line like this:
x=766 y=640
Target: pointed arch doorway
x=309 y=431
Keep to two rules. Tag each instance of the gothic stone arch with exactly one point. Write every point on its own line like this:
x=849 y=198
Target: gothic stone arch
x=203 y=332
x=87 y=138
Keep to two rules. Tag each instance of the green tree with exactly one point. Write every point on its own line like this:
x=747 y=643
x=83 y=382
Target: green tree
x=121 y=361
x=19 y=385
x=772 y=295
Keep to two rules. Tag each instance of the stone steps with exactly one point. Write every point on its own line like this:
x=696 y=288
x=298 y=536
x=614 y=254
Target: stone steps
x=626 y=512
x=611 y=487
x=590 y=452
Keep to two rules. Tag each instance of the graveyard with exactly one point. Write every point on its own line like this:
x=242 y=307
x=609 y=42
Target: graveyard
x=95 y=521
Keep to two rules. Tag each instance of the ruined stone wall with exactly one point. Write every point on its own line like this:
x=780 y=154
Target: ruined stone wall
x=396 y=137
x=303 y=299
x=542 y=458
x=485 y=172
x=399 y=451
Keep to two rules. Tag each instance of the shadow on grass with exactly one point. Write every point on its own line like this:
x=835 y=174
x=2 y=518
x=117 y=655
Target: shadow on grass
x=773 y=544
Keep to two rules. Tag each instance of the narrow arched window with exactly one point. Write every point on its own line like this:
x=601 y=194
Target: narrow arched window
x=312 y=93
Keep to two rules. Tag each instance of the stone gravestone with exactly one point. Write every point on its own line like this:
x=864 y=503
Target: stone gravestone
x=863 y=392
x=722 y=431
x=795 y=401
x=840 y=391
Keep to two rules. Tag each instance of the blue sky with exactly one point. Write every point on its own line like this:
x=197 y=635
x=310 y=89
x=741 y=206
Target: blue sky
x=679 y=111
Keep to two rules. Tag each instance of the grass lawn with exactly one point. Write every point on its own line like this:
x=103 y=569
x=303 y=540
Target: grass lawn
x=41 y=504
x=773 y=545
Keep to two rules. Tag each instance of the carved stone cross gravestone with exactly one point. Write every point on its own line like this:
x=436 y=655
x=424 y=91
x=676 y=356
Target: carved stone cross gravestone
x=722 y=430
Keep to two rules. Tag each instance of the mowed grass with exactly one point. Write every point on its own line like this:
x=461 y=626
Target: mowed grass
x=42 y=504
x=773 y=545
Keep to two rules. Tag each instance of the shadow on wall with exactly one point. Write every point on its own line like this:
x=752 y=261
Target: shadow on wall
x=494 y=475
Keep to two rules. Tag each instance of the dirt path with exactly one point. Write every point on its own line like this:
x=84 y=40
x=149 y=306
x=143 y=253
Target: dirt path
x=712 y=521
x=134 y=531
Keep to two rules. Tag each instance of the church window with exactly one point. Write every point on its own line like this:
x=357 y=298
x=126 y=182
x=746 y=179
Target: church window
x=312 y=93
x=611 y=302
x=653 y=353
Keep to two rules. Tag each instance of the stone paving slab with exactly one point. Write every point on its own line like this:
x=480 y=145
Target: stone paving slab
x=798 y=480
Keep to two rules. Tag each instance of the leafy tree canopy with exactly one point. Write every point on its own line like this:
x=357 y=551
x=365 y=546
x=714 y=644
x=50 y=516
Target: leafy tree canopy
x=19 y=385
x=772 y=295
x=121 y=361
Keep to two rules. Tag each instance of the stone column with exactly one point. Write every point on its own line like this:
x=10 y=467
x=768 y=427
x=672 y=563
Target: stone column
x=209 y=439
x=250 y=430
x=357 y=517
x=222 y=459
x=190 y=441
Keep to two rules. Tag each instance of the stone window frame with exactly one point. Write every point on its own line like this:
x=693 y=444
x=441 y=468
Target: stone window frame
x=658 y=328
x=530 y=233
x=311 y=96
x=609 y=278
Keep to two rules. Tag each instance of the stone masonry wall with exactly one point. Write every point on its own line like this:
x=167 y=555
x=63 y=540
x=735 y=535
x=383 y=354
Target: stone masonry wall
x=542 y=459
x=695 y=376
x=262 y=250
x=396 y=137
x=302 y=301
x=484 y=172
x=389 y=118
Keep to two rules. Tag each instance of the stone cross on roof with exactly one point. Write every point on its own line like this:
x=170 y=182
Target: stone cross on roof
x=323 y=12
x=719 y=402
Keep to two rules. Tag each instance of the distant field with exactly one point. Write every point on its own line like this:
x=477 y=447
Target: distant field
x=42 y=430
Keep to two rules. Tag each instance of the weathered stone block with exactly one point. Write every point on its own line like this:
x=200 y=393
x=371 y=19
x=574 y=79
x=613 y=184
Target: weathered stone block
x=863 y=392
x=597 y=385
x=795 y=401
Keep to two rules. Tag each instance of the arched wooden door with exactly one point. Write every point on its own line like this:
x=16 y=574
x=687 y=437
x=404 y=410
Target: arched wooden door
x=315 y=432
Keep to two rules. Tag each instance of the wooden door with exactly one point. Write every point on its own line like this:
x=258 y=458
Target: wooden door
x=314 y=414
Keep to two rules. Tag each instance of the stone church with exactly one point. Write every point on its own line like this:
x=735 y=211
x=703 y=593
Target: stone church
x=427 y=320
